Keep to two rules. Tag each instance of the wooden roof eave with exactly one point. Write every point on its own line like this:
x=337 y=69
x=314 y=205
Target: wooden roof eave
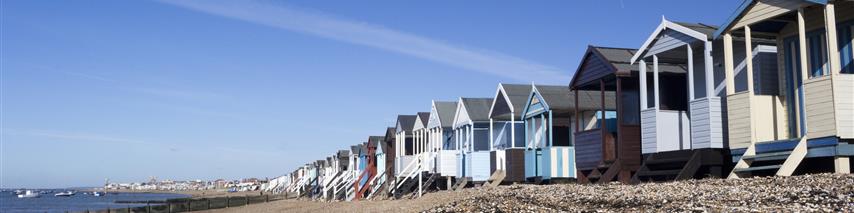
x=665 y=25
x=740 y=11
x=590 y=50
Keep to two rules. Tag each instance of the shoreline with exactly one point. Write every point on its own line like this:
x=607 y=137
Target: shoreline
x=191 y=193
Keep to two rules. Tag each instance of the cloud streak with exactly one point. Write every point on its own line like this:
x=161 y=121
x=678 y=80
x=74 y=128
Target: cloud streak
x=379 y=37
x=75 y=136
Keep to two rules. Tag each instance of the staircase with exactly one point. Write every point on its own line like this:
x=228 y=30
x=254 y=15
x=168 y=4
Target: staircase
x=377 y=184
x=779 y=157
x=409 y=174
x=428 y=180
x=496 y=178
x=611 y=173
x=665 y=166
x=461 y=184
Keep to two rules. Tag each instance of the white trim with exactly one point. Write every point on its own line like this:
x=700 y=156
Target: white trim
x=665 y=24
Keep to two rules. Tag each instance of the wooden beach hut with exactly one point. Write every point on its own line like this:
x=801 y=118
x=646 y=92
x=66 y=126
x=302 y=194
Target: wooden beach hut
x=471 y=128
x=404 y=145
x=376 y=147
x=390 y=152
x=798 y=118
x=507 y=135
x=608 y=141
x=682 y=116
x=442 y=142
x=548 y=117
x=366 y=179
x=420 y=138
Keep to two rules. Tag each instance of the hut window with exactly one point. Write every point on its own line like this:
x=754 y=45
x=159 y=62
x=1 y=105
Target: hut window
x=817 y=53
x=846 y=47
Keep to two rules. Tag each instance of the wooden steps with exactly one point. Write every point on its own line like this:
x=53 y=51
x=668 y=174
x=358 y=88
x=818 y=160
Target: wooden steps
x=682 y=165
x=781 y=158
x=461 y=184
x=496 y=178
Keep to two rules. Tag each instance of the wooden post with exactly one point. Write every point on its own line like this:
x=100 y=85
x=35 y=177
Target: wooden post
x=832 y=45
x=602 y=125
x=655 y=91
x=227 y=201
x=690 y=72
x=642 y=76
x=728 y=64
x=802 y=46
x=748 y=58
x=709 y=69
x=577 y=116
x=491 y=136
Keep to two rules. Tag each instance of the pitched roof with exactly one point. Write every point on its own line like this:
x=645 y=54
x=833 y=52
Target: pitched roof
x=390 y=134
x=560 y=98
x=375 y=140
x=355 y=149
x=446 y=110
x=517 y=94
x=708 y=30
x=744 y=7
x=425 y=117
x=477 y=108
x=617 y=60
x=406 y=122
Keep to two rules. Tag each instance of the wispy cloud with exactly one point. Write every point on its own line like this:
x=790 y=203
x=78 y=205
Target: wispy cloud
x=361 y=33
x=176 y=93
x=74 y=136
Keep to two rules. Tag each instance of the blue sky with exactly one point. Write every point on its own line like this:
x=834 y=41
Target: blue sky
x=219 y=89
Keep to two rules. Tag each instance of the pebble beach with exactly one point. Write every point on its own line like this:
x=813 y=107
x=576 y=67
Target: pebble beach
x=806 y=193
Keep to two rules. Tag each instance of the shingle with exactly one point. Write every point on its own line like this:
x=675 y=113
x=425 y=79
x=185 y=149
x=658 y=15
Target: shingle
x=446 y=110
x=477 y=108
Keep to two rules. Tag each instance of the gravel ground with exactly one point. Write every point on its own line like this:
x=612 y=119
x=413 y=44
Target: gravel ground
x=825 y=192
x=808 y=193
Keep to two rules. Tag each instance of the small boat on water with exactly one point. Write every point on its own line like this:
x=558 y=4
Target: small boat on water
x=29 y=194
x=97 y=194
x=64 y=194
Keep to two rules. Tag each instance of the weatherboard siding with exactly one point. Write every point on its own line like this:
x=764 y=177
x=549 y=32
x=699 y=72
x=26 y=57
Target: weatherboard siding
x=821 y=119
x=648 y=131
x=738 y=110
x=844 y=88
x=765 y=9
x=706 y=123
x=669 y=40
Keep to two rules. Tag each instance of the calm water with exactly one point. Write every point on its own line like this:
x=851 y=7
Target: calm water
x=9 y=202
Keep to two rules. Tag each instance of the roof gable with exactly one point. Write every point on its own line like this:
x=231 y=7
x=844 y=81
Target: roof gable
x=751 y=11
x=669 y=35
x=404 y=123
x=509 y=100
x=442 y=114
x=421 y=120
x=472 y=110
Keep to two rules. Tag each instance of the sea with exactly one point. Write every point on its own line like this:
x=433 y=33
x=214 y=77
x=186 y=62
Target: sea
x=9 y=202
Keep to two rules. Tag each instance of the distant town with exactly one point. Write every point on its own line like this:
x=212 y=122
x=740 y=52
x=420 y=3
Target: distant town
x=246 y=184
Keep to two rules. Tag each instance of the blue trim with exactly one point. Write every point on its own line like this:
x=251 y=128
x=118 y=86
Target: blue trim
x=740 y=11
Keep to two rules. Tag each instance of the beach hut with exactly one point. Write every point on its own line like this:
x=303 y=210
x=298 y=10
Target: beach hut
x=507 y=135
x=800 y=116
x=377 y=146
x=420 y=138
x=369 y=173
x=404 y=143
x=607 y=141
x=471 y=128
x=548 y=117
x=407 y=165
x=682 y=116
x=390 y=152
x=441 y=140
